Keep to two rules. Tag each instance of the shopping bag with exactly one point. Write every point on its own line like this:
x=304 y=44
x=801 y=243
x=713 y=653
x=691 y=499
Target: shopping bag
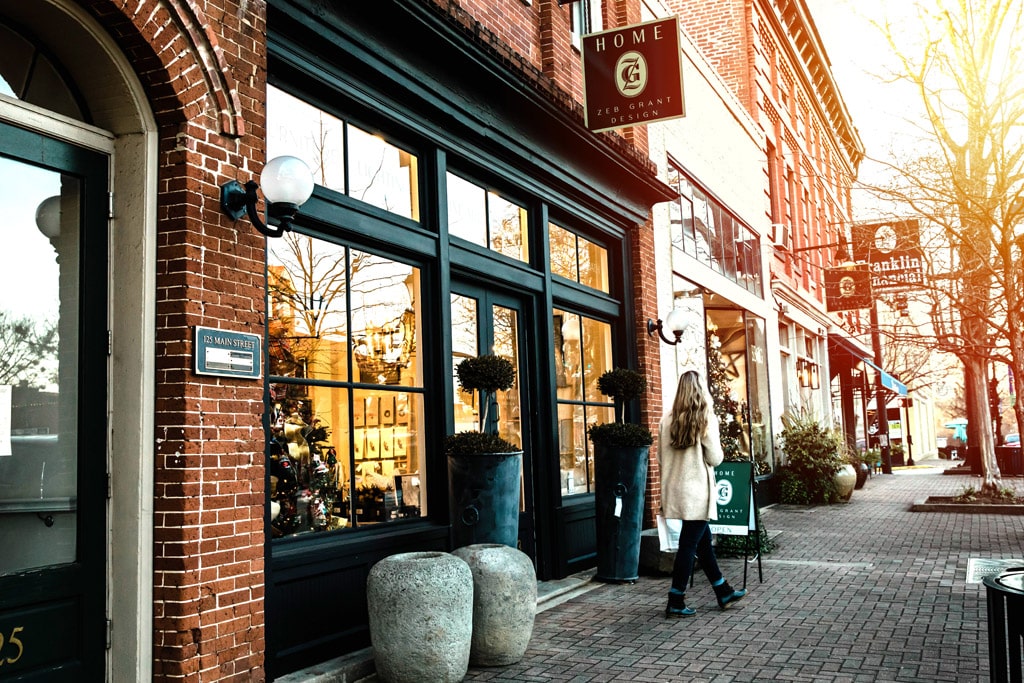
x=668 y=533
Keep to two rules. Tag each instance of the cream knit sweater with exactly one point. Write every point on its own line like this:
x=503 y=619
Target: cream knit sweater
x=688 y=474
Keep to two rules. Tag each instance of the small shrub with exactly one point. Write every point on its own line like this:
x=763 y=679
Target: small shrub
x=620 y=434
x=470 y=443
x=791 y=489
x=486 y=373
x=814 y=455
x=622 y=383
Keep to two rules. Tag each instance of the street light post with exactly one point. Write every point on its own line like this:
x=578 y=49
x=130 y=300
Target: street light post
x=881 y=408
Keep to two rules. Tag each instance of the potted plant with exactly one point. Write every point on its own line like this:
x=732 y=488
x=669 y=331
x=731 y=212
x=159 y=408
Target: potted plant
x=621 y=452
x=483 y=468
x=815 y=470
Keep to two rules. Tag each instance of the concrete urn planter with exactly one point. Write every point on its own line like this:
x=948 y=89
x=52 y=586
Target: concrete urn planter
x=846 y=480
x=421 y=617
x=504 y=602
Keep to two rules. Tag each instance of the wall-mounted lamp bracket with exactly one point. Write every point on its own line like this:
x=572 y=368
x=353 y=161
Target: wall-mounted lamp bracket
x=653 y=327
x=237 y=200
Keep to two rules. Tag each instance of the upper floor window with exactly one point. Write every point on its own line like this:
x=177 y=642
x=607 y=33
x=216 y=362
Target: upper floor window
x=705 y=230
x=577 y=258
x=342 y=156
x=485 y=218
x=584 y=18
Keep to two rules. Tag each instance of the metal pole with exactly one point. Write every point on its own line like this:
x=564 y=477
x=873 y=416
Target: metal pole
x=881 y=407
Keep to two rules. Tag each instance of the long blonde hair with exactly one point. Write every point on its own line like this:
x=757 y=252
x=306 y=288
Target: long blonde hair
x=689 y=412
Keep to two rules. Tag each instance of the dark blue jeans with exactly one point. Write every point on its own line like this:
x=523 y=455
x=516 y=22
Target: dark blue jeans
x=694 y=540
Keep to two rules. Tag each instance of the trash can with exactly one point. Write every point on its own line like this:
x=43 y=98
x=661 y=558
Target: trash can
x=1005 y=597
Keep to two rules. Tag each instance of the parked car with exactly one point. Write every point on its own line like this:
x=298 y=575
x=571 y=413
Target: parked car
x=1012 y=440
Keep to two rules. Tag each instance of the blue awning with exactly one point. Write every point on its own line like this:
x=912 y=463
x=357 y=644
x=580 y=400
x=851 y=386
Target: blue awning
x=888 y=381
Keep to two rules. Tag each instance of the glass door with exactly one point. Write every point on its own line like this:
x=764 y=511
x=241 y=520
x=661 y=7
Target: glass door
x=53 y=451
x=486 y=322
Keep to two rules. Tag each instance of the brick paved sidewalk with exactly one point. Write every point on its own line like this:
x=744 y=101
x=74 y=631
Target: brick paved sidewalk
x=863 y=591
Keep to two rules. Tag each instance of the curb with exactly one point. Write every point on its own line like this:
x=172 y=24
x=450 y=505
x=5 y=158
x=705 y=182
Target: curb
x=967 y=508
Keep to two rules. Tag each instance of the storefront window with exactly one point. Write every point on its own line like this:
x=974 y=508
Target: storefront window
x=577 y=258
x=346 y=432
x=738 y=381
x=582 y=355
x=377 y=172
x=487 y=219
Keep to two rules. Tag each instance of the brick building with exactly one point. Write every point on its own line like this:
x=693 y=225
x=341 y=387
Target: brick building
x=460 y=206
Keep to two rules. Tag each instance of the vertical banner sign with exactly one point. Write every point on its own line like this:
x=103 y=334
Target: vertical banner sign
x=633 y=75
x=735 y=498
x=893 y=252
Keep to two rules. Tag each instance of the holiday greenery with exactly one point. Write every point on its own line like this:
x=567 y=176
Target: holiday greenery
x=725 y=406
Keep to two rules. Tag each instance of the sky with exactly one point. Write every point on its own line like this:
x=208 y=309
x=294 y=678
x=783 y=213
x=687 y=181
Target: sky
x=860 y=58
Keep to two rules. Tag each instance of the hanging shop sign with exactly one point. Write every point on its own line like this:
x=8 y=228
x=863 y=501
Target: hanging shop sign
x=893 y=252
x=227 y=354
x=848 y=287
x=633 y=75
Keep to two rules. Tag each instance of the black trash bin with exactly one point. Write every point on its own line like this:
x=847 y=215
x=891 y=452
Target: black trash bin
x=1005 y=597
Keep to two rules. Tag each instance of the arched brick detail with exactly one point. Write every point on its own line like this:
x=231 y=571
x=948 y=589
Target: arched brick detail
x=178 y=56
x=204 y=76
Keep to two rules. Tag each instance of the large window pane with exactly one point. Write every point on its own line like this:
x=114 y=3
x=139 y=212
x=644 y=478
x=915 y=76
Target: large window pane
x=39 y=321
x=467 y=210
x=486 y=218
x=378 y=172
x=385 y=320
x=593 y=265
x=562 y=251
x=345 y=454
x=507 y=225
x=299 y=129
x=307 y=288
x=582 y=354
x=382 y=174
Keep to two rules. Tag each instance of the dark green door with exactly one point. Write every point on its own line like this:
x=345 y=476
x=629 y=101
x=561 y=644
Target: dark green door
x=483 y=322
x=53 y=397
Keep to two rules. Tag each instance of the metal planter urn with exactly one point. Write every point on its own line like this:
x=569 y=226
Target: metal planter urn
x=421 y=617
x=483 y=494
x=620 y=482
x=483 y=468
x=504 y=602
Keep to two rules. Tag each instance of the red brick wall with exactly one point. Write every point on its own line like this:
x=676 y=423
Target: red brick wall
x=208 y=499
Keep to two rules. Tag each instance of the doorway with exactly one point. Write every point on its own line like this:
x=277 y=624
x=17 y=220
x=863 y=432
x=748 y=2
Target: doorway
x=53 y=401
x=489 y=322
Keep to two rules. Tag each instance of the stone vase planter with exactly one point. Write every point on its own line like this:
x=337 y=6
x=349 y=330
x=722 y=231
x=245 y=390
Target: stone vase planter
x=504 y=602
x=846 y=480
x=421 y=617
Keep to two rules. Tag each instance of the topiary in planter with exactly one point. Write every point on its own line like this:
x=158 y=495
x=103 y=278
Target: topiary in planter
x=620 y=434
x=471 y=443
x=622 y=385
x=486 y=374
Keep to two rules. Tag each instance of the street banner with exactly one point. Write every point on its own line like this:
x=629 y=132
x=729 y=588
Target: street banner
x=893 y=252
x=633 y=75
x=735 y=498
x=848 y=287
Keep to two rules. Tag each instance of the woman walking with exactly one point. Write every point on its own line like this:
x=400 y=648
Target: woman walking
x=688 y=451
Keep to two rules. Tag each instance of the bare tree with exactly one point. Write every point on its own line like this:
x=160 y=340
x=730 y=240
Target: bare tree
x=28 y=350
x=966 y=183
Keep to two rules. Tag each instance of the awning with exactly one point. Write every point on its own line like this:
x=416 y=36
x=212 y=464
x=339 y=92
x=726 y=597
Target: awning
x=888 y=381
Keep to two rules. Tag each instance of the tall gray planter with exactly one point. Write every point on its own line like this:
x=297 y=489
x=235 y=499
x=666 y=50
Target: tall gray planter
x=620 y=482
x=421 y=617
x=504 y=602
x=483 y=492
